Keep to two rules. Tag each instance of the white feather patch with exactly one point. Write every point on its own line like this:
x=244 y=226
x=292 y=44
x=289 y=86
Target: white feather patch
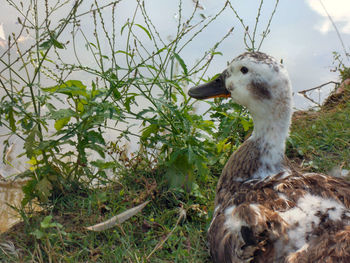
x=303 y=218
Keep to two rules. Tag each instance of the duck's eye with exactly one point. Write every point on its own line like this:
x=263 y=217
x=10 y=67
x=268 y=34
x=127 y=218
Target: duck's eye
x=244 y=70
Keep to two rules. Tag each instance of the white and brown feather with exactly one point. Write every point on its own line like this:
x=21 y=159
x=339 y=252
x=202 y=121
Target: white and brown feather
x=265 y=211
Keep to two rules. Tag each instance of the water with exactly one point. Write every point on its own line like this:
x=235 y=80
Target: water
x=10 y=193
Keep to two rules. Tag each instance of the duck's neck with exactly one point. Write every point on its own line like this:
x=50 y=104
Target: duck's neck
x=260 y=156
x=269 y=136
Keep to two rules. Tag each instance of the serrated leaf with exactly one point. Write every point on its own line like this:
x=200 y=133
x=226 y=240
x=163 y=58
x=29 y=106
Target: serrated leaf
x=246 y=124
x=146 y=132
x=181 y=62
x=46 y=223
x=30 y=142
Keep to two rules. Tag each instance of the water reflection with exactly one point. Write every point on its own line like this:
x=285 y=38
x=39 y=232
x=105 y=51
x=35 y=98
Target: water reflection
x=10 y=194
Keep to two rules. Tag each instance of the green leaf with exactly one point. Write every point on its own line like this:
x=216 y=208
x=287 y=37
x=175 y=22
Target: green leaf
x=30 y=142
x=46 y=222
x=114 y=87
x=28 y=188
x=95 y=137
x=80 y=107
x=57 y=44
x=217 y=53
x=51 y=42
x=44 y=188
x=144 y=29
x=63 y=114
x=59 y=124
x=70 y=88
x=100 y=150
x=123 y=27
x=104 y=165
x=161 y=50
x=246 y=124
x=12 y=120
x=123 y=52
x=128 y=102
x=146 y=132
x=92 y=44
x=38 y=234
x=182 y=63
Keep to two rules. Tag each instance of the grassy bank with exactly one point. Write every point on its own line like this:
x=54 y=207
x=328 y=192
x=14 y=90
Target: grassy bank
x=320 y=140
x=65 y=239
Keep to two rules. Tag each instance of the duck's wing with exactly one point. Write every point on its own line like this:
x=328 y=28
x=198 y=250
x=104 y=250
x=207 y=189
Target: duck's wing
x=282 y=219
x=332 y=246
x=246 y=232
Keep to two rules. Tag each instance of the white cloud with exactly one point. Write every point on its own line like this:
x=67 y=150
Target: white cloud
x=339 y=10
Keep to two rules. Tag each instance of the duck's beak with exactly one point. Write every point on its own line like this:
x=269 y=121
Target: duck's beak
x=212 y=89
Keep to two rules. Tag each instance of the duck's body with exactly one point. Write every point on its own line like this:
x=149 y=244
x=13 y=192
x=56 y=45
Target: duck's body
x=264 y=210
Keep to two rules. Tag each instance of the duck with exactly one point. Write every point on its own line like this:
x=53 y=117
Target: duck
x=265 y=210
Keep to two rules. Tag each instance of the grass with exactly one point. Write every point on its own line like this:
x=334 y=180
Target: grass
x=321 y=139
x=134 y=240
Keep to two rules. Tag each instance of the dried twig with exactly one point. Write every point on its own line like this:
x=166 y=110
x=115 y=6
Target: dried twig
x=182 y=214
x=318 y=87
x=304 y=92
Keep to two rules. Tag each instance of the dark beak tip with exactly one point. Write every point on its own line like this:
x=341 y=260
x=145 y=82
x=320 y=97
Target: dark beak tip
x=196 y=93
x=211 y=89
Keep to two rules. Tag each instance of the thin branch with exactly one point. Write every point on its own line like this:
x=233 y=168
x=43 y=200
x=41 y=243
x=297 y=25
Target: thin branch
x=318 y=87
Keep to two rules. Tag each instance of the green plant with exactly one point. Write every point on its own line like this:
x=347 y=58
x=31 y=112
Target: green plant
x=47 y=236
x=81 y=114
x=344 y=71
x=64 y=122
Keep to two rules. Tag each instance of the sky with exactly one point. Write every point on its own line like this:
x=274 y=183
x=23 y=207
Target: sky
x=302 y=35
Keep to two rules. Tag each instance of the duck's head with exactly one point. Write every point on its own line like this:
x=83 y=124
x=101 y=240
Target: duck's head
x=256 y=81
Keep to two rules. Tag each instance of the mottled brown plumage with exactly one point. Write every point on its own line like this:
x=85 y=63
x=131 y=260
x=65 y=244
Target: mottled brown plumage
x=265 y=211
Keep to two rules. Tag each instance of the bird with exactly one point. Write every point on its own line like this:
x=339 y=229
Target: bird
x=266 y=210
